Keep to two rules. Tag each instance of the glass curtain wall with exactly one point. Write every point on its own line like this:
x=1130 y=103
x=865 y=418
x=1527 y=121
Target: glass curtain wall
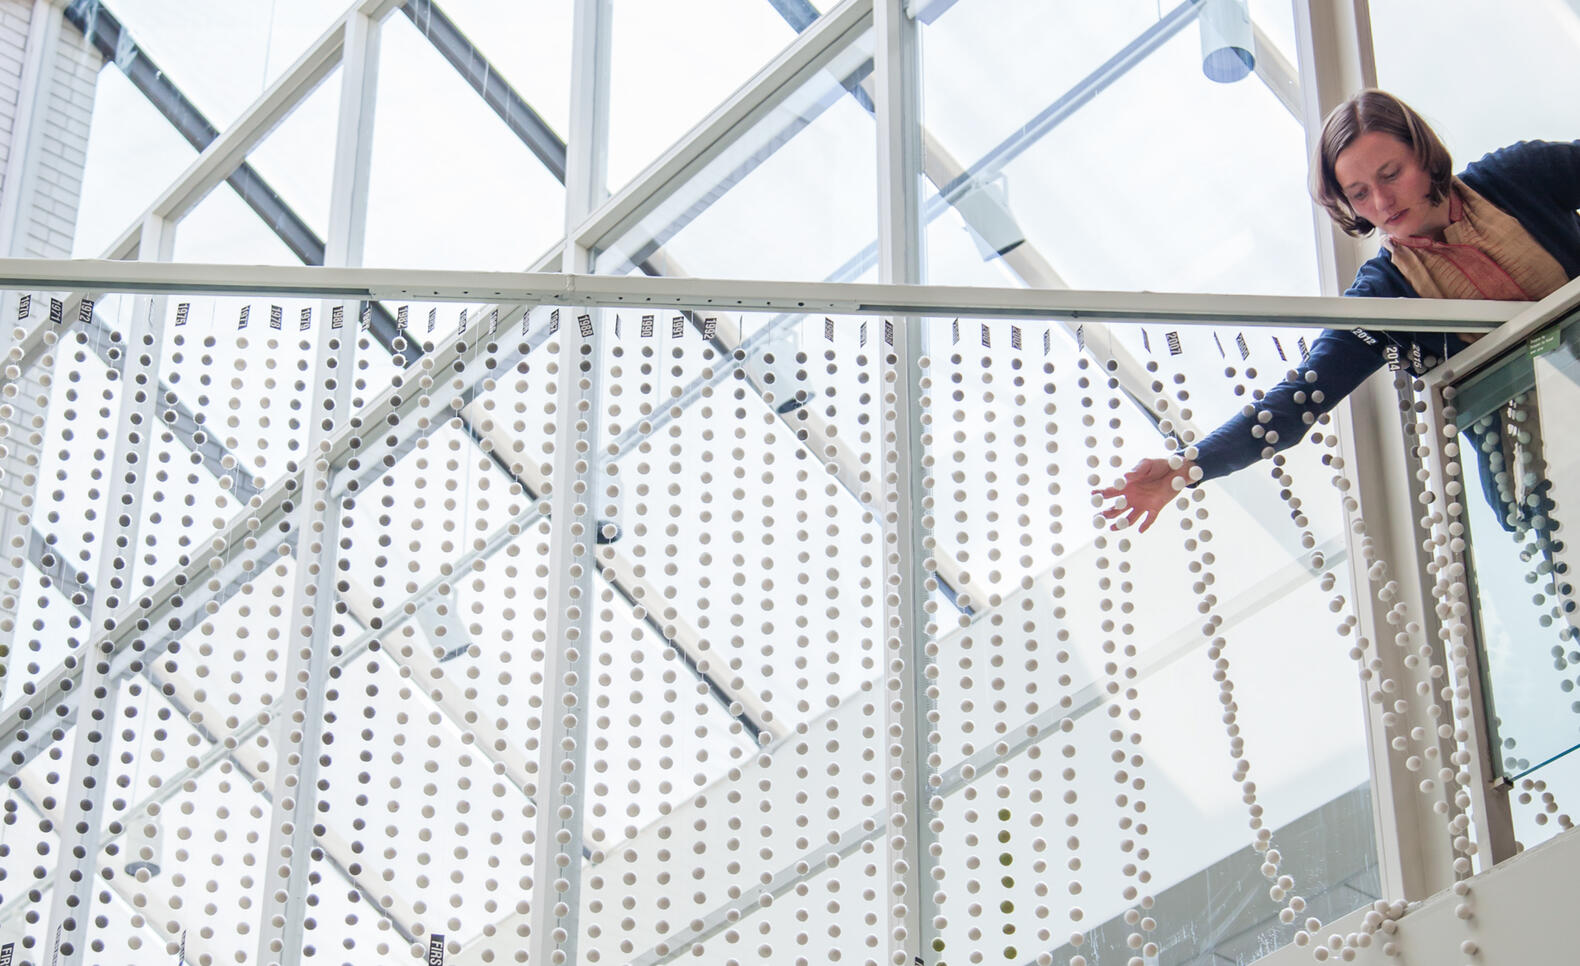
x=1082 y=764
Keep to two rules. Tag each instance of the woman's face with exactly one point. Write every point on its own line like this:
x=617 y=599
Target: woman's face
x=1387 y=186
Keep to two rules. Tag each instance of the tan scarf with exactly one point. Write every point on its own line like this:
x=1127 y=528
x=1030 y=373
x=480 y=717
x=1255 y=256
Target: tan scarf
x=1486 y=254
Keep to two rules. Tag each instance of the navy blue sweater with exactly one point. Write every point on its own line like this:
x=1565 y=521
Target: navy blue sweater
x=1538 y=182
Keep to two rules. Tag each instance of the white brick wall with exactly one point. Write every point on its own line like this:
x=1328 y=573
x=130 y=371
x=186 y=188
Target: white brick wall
x=65 y=147
x=50 y=221
x=14 y=18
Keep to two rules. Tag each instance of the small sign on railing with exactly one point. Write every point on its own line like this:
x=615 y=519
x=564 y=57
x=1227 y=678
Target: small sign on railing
x=1543 y=342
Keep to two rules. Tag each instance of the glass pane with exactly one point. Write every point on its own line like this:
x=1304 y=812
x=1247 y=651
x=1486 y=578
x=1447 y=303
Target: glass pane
x=1038 y=52
x=450 y=186
x=297 y=159
x=1543 y=803
x=671 y=66
x=1522 y=472
x=290 y=178
x=1080 y=177
x=133 y=156
x=221 y=57
x=222 y=228
x=1067 y=620
x=529 y=44
x=792 y=197
x=1483 y=103
x=1276 y=20
x=738 y=642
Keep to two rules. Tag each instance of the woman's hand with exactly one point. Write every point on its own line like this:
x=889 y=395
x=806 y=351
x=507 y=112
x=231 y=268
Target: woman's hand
x=1147 y=489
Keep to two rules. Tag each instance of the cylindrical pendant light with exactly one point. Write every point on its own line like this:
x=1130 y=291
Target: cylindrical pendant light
x=1228 y=51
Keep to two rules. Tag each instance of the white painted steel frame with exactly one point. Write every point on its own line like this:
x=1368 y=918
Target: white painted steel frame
x=294 y=828
x=909 y=706
x=231 y=147
x=841 y=298
x=691 y=153
x=16 y=191
x=27 y=127
x=1414 y=852
x=573 y=489
x=115 y=605
x=808 y=53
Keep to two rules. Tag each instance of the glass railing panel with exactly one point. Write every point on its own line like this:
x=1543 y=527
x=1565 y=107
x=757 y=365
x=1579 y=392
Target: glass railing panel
x=737 y=791
x=1522 y=476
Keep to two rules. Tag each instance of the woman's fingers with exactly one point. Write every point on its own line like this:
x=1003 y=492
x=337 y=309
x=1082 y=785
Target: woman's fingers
x=1152 y=517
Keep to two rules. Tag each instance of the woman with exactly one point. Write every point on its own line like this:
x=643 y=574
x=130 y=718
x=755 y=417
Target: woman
x=1505 y=228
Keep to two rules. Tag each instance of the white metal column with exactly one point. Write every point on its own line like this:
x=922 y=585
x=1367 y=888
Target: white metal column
x=563 y=778
x=27 y=131
x=18 y=461
x=292 y=830
x=1414 y=853
x=913 y=797
x=85 y=790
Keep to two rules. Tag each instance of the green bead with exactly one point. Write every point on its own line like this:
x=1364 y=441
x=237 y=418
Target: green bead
x=1003 y=835
x=1010 y=954
x=1007 y=906
x=938 y=945
x=1003 y=815
x=1005 y=858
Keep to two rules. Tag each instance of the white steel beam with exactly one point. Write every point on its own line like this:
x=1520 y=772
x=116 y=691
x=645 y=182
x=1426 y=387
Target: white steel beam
x=808 y=53
x=1414 y=850
x=587 y=148
x=909 y=700
x=113 y=605
x=27 y=130
x=574 y=495
x=317 y=524
x=148 y=905
x=1277 y=73
x=53 y=700
x=254 y=763
x=293 y=825
x=844 y=298
x=220 y=158
x=349 y=183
